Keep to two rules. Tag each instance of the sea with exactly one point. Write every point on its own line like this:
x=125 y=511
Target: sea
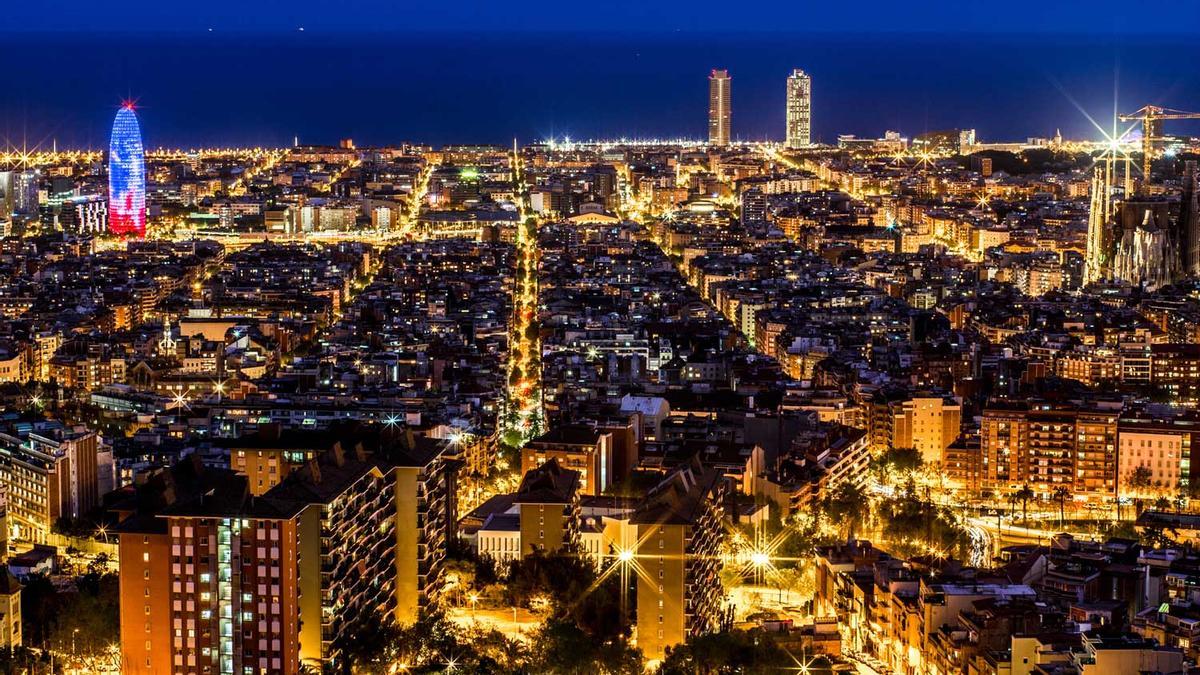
x=217 y=89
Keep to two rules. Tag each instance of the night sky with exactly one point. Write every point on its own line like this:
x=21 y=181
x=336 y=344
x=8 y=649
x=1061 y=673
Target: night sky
x=383 y=71
x=1014 y=16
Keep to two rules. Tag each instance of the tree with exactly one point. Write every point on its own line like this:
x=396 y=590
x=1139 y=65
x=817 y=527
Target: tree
x=83 y=619
x=848 y=503
x=1023 y=495
x=735 y=651
x=899 y=462
x=432 y=644
x=569 y=581
x=366 y=647
x=1061 y=495
x=22 y=661
x=563 y=648
x=1140 y=481
x=905 y=519
x=39 y=606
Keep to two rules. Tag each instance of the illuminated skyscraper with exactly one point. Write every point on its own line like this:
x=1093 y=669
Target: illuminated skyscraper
x=126 y=176
x=6 y=194
x=799 y=109
x=719 y=107
x=18 y=193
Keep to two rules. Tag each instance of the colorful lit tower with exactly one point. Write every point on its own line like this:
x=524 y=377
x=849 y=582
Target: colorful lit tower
x=126 y=176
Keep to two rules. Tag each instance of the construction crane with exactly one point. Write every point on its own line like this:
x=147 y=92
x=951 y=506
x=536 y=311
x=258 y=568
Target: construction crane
x=1152 y=117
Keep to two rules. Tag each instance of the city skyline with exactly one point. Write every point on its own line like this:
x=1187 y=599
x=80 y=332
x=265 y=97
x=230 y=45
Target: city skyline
x=650 y=85
x=486 y=339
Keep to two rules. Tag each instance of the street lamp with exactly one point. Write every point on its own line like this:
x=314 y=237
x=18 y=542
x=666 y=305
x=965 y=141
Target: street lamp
x=474 y=598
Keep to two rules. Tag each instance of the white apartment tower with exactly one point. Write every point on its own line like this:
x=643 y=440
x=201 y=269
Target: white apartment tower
x=799 y=109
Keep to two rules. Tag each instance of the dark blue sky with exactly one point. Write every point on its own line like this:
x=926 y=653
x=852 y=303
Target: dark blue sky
x=1121 y=17
x=453 y=71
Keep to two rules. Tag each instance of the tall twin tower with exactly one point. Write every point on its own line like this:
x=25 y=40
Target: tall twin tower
x=799 y=108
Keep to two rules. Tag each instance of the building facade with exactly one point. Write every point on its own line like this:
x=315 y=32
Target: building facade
x=126 y=176
x=679 y=533
x=799 y=109
x=1048 y=447
x=217 y=579
x=49 y=473
x=720 y=107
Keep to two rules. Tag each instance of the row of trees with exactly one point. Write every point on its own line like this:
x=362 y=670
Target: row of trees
x=79 y=622
x=585 y=630
x=562 y=647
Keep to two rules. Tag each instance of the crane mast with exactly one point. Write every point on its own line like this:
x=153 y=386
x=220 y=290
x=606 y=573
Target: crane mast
x=1151 y=117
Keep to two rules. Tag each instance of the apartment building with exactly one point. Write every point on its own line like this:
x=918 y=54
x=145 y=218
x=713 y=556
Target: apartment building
x=217 y=579
x=50 y=471
x=548 y=503
x=679 y=533
x=1047 y=447
x=579 y=448
x=927 y=423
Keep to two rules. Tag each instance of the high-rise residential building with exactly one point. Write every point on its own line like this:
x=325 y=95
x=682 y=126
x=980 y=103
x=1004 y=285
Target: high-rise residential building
x=426 y=484
x=126 y=176
x=548 y=509
x=7 y=198
x=18 y=193
x=926 y=423
x=1175 y=372
x=679 y=531
x=799 y=109
x=25 y=192
x=49 y=472
x=217 y=579
x=719 y=107
x=577 y=447
x=1047 y=447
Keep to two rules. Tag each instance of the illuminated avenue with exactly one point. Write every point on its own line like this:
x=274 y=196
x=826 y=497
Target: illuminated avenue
x=920 y=405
